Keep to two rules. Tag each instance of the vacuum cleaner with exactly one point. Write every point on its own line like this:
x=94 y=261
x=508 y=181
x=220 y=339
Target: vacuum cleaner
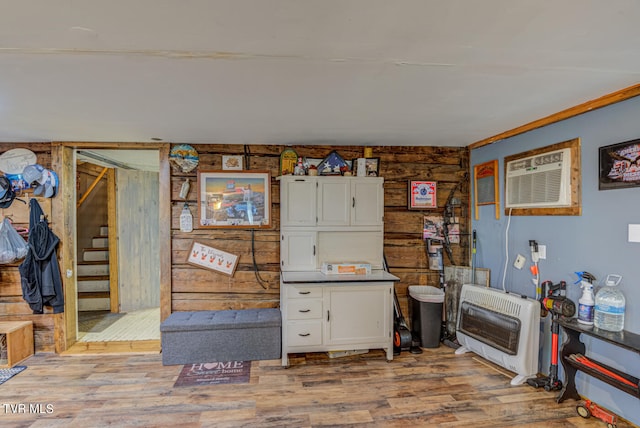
x=403 y=339
x=553 y=300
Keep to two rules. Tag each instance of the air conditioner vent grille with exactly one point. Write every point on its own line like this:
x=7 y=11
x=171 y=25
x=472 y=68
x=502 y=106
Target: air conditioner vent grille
x=539 y=181
x=535 y=188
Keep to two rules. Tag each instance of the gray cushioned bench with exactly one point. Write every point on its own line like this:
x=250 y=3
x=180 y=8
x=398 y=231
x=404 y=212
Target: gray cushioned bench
x=229 y=335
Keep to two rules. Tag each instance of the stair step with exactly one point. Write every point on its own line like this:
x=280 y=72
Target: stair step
x=104 y=230
x=100 y=242
x=95 y=254
x=93 y=269
x=93 y=303
x=93 y=285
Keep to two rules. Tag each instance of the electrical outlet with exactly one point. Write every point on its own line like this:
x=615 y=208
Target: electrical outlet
x=519 y=263
x=542 y=252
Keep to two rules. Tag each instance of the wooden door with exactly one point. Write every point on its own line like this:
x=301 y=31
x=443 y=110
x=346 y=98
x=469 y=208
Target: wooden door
x=138 y=245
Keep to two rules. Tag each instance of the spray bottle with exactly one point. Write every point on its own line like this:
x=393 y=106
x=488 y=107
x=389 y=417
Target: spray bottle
x=587 y=301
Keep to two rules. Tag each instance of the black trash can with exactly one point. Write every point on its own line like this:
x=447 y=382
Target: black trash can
x=425 y=311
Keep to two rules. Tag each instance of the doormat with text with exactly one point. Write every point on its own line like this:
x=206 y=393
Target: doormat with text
x=215 y=373
x=6 y=374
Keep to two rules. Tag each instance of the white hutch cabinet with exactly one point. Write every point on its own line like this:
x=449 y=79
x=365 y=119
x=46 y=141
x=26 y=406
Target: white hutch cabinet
x=332 y=219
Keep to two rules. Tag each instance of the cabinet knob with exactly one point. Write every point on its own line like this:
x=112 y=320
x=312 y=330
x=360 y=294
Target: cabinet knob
x=304 y=311
x=304 y=292
x=304 y=334
x=353 y=202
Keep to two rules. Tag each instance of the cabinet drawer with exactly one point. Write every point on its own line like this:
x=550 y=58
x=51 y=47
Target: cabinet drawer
x=304 y=333
x=304 y=309
x=304 y=292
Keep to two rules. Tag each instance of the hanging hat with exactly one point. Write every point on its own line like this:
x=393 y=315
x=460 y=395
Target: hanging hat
x=5 y=185
x=49 y=185
x=17 y=181
x=7 y=194
x=33 y=173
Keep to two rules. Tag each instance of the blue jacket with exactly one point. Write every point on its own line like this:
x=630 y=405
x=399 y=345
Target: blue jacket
x=39 y=272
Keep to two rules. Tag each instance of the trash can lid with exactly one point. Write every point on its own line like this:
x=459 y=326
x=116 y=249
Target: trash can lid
x=426 y=293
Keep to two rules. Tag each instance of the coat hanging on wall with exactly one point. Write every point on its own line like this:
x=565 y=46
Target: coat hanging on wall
x=40 y=273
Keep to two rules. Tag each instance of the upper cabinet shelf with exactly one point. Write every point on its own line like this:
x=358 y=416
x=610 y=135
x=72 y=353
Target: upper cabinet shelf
x=331 y=201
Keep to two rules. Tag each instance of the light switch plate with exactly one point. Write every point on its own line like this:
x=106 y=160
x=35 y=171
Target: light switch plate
x=542 y=252
x=634 y=233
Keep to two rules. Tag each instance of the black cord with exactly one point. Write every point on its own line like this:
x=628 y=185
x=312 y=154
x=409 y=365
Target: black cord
x=255 y=265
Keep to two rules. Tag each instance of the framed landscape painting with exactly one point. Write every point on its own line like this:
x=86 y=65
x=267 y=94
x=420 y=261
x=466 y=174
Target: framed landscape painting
x=234 y=199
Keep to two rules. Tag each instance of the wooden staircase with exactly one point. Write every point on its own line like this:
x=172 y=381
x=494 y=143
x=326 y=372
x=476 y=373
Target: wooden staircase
x=93 y=275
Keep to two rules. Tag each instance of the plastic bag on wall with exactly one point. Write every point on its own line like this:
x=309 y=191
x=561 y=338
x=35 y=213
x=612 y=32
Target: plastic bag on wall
x=12 y=246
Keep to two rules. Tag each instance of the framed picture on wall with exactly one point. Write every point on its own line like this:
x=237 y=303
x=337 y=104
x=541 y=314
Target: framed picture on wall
x=422 y=195
x=234 y=199
x=208 y=257
x=485 y=186
x=619 y=166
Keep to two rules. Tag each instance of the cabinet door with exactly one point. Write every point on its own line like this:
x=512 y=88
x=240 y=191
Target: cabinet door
x=367 y=200
x=298 y=251
x=297 y=201
x=334 y=202
x=357 y=314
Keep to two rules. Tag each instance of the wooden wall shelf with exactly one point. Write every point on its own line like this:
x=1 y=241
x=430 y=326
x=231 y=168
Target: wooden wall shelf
x=574 y=347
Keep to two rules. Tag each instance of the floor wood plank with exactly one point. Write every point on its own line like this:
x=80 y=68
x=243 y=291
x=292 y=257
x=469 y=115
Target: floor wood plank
x=436 y=388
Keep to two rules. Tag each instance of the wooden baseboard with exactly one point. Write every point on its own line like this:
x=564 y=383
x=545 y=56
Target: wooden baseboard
x=100 y=348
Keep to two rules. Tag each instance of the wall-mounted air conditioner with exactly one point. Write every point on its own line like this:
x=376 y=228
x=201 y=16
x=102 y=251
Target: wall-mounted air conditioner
x=539 y=181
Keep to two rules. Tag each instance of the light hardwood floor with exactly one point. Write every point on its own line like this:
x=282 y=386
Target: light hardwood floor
x=434 y=389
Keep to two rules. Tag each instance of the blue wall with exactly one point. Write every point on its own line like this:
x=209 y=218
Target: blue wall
x=596 y=241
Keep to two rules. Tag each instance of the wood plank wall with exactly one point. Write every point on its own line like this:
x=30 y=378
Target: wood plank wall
x=195 y=288
x=12 y=305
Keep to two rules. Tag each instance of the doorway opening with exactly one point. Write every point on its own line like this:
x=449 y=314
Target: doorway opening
x=117 y=256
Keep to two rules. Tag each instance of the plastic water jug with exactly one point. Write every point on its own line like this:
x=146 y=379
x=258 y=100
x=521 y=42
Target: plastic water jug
x=610 y=305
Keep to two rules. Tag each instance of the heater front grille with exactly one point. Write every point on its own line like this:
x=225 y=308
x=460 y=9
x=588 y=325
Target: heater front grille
x=492 y=328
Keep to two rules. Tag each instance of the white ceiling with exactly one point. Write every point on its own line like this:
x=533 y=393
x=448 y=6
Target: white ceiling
x=362 y=72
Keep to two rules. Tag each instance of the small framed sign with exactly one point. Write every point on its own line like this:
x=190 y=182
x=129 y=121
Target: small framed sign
x=422 y=195
x=211 y=258
x=232 y=163
x=619 y=166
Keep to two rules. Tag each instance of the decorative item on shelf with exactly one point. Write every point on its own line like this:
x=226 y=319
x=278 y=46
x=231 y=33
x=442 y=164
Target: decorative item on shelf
x=313 y=170
x=239 y=199
x=368 y=152
x=183 y=158
x=288 y=160
x=422 y=195
x=232 y=163
x=365 y=167
x=299 y=168
x=359 y=167
x=331 y=164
